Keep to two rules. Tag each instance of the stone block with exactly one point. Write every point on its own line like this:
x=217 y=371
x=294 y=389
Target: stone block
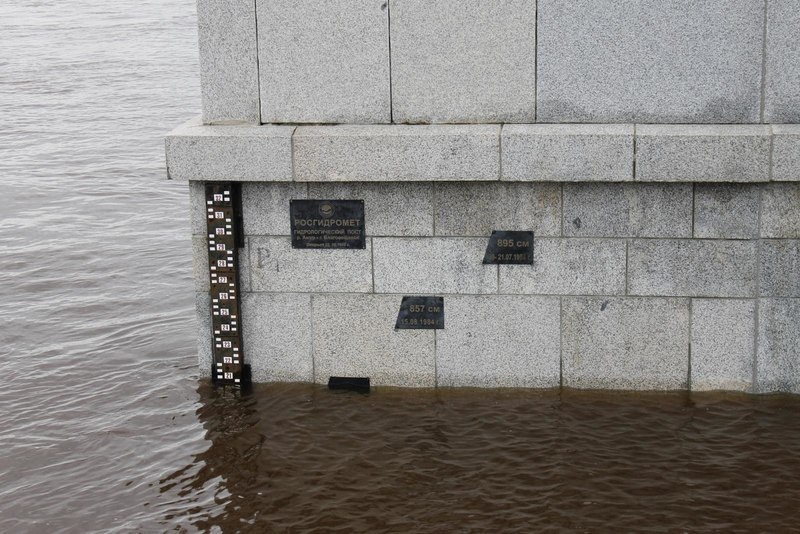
x=779 y=275
x=349 y=153
x=390 y=209
x=205 y=356
x=692 y=268
x=698 y=153
x=276 y=267
x=228 y=60
x=197 y=208
x=475 y=209
x=276 y=336
x=465 y=61
x=566 y=266
x=723 y=344
x=324 y=61
x=567 y=152
x=432 y=265
x=652 y=61
x=778 y=363
x=782 y=83
x=628 y=210
x=230 y=153
x=265 y=207
x=786 y=153
x=625 y=343
x=354 y=336
x=726 y=211
x=499 y=341
x=780 y=210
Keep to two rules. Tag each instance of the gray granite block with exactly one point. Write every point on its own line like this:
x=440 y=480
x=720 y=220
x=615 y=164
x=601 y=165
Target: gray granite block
x=197 y=207
x=691 y=268
x=396 y=153
x=780 y=210
x=723 y=332
x=567 y=152
x=324 y=61
x=432 y=265
x=390 y=209
x=205 y=356
x=628 y=210
x=569 y=266
x=230 y=153
x=782 y=83
x=649 y=61
x=700 y=153
x=228 y=60
x=726 y=211
x=277 y=267
x=354 y=336
x=786 y=152
x=499 y=341
x=625 y=343
x=779 y=275
x=778 y=363
x=276 y=336
x=265 y=207
x=469 y=61
x=475 y=209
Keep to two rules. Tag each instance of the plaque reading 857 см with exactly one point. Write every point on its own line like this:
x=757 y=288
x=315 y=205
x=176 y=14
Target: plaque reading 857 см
x=327 y=224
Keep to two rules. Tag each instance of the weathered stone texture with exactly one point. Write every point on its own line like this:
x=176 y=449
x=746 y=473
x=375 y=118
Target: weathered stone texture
x=390 y=209
x=499 y=341
x=228 y=60
x=780 y=268
x=695 y=153
x=780 y=211
x=782 y=88
x=324 y=61
x=475 y=209
x=723 y=346
x=726 y=211
x=396 y=153
x=786 y=152
x=567 y=152
x=265 y=207
x=434 y=265
x=569 y=267
x=276 y=266
x=354 y=336
x=691 y=268
x=625 y=343
x=205 y=358
x=778 y=364
x=649 y=61
x=463 y=61
x=628 y=210
x=276 y=335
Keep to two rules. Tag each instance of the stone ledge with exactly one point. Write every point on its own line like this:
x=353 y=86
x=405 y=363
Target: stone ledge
x=485 y=153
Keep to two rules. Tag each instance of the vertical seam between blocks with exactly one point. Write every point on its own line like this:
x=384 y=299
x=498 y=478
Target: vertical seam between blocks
x=500 y=154
x=258 y=65
x=372 y=261
x=694 y=206
x=764 y=64
x=389 y=37
x=561 y=210
x=627 y=244
x=633 y=163
x=757 y=281
x=434 y=202
x=291 y=154
x=536 y=61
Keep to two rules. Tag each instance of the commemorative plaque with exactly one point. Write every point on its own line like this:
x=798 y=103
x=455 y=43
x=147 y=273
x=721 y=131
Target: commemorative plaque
x=327 y=224
x=421 y=313
x=509 y=248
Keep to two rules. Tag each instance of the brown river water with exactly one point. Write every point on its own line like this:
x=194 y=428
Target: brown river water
x=106 y=427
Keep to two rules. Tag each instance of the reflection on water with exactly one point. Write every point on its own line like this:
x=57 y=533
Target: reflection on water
x=299 y=458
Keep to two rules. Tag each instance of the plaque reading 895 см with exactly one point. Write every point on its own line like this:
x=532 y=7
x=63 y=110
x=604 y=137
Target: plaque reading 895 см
x=508 y=247
x=327 y=224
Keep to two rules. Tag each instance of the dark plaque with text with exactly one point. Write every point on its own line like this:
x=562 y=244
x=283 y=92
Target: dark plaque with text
x=509 y=248
x=327 y=224
x=421 y=312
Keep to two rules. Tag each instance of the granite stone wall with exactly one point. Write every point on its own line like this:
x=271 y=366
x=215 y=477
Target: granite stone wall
x=650 y=145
